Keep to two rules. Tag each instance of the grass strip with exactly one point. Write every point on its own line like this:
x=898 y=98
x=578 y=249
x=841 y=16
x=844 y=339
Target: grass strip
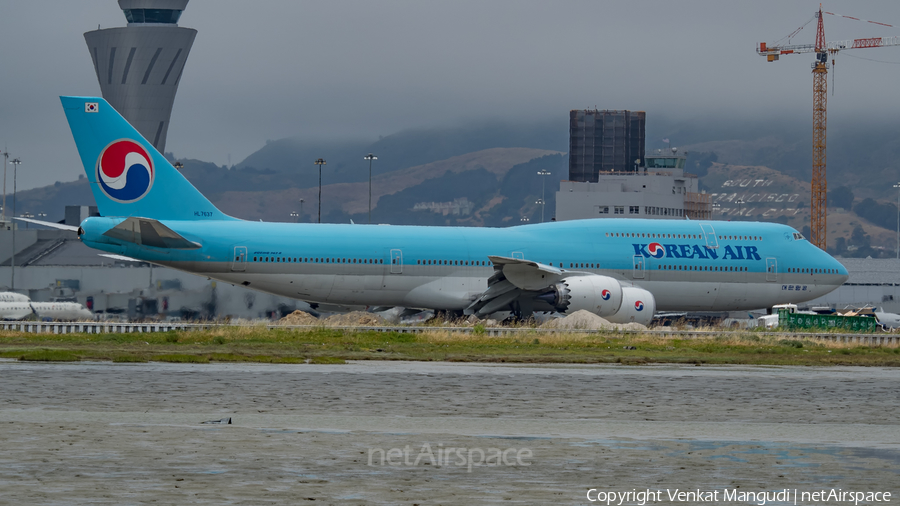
x=323 y=345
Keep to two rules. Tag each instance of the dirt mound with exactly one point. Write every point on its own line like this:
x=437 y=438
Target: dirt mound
x=579 y=320
x=299 y=318
x=585 y=320
x=355 y=318
x=631 y=326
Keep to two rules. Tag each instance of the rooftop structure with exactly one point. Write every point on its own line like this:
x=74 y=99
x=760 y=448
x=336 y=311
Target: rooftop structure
x=139 y=66
x=604 y=141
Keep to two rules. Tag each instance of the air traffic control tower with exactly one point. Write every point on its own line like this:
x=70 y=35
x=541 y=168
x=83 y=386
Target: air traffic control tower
x=139 y=66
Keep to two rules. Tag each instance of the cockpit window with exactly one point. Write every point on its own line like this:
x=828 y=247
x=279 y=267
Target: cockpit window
x=798 y=236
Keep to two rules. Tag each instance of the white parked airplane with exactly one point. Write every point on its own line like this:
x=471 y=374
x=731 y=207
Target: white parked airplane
x=44 y=311
x=13 y=297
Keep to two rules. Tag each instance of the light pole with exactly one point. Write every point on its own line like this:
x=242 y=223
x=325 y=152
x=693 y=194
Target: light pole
x=370 y=157
x=12 y=264
x=740 y=203
x=295 y=214
x=320 y=162
x=543 y=172
x=5 y=161
x=898 y=219
x=301 y=211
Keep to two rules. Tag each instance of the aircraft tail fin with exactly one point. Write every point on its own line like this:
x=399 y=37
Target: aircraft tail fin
x=128 y=176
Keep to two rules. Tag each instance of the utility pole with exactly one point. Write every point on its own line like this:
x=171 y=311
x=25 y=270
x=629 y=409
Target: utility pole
x=15 y=163
x=370 y=157
x=320 y=162
x=898 y=219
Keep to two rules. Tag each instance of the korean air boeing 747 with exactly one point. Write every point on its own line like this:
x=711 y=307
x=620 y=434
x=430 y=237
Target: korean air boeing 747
x=621 y=269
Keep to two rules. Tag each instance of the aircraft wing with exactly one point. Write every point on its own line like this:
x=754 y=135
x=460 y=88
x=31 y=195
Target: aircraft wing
x=526 y=274
x=511 y=277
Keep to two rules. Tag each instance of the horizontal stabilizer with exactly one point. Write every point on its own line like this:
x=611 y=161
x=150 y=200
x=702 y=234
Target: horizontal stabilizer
x=50 y=224
x=147 y=232
x=121 y=258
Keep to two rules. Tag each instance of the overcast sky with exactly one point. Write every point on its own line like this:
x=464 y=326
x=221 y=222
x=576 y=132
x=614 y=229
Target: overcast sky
x=278 y=68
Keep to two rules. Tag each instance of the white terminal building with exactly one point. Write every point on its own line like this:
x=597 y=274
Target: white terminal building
x=661 y=189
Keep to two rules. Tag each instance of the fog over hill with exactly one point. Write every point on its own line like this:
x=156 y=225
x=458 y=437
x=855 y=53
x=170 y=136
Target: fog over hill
x=493 y=167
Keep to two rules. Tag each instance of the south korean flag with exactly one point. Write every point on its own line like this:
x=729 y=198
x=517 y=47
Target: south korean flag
x=91 y=107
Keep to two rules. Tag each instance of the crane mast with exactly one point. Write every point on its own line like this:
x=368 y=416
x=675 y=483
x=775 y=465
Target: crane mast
x=818 y=215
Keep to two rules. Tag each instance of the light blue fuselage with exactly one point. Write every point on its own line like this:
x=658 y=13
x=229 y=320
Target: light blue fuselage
x=702 y=266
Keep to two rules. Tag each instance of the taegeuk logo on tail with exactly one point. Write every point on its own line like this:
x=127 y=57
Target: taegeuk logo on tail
x=125 y=171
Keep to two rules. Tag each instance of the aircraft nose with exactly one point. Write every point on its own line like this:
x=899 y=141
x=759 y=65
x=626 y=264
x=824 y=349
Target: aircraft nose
x=841 y=270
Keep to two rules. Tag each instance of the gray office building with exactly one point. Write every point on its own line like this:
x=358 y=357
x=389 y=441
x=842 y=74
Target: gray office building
x=139 y=66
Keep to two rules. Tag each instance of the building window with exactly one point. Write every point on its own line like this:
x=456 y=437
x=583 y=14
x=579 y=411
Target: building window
x=634 y=210
x=166 y=16
x=604 y=209
x=619 y=209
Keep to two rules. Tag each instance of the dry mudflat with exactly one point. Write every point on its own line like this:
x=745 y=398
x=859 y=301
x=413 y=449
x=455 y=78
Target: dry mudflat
x=105 y=433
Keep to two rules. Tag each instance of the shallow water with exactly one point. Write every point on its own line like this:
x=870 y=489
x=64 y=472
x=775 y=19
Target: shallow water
x=126 y=433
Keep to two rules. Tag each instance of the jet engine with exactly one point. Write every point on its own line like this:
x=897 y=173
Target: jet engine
x=600 y=295
x=603 y=296
x=638 y=305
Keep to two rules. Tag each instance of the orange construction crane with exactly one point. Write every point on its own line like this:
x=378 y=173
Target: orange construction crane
x=817 y=219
